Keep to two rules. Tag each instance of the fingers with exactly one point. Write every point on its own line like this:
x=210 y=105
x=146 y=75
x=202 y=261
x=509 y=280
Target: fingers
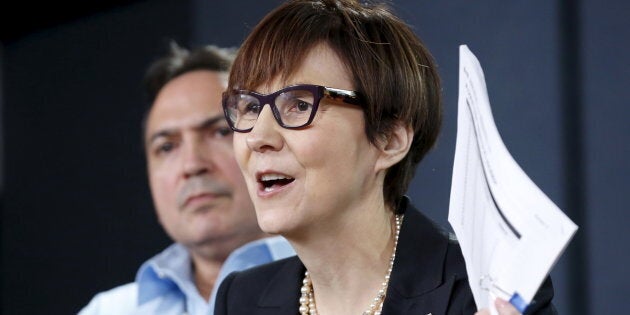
x=505 y=308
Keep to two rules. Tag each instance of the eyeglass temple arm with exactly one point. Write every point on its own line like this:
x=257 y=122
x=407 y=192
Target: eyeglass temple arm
x=346 y=96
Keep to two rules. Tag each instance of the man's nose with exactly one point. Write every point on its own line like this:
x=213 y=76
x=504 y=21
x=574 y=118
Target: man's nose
x=196 y=160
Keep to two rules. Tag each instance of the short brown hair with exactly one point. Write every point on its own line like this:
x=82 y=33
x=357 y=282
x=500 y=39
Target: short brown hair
x=390 y=67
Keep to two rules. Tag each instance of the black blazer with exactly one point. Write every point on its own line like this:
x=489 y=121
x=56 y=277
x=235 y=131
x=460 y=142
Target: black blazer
x=428 y=277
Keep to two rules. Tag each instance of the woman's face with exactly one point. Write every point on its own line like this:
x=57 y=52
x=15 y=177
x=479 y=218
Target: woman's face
x=315 y=176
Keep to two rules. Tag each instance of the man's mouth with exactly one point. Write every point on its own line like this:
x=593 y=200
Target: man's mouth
x=202 y=198
x=271 y=182
x=201 y=189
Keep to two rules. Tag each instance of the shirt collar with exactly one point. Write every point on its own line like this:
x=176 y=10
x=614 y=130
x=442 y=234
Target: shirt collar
x=167 y=271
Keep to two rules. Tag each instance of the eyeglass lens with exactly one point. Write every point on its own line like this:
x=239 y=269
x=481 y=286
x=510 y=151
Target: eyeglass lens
x=293 y=108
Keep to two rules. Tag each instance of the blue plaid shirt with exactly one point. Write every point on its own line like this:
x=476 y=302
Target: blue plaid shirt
x=165 y=285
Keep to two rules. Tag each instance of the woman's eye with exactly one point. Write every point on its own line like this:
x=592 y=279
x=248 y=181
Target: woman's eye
x=252 y=108
x=303 y=106
x=299 y=106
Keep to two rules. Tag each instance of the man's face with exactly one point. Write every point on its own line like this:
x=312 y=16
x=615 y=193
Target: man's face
x=197 y=188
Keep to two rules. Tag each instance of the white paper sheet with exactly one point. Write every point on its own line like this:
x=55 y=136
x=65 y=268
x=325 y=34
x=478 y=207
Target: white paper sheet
x=510 y=232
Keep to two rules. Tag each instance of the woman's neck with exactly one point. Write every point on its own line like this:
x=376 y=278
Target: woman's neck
x=348 y=262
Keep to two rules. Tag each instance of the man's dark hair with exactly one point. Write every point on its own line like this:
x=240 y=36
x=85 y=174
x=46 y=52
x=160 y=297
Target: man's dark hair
x=179 y=60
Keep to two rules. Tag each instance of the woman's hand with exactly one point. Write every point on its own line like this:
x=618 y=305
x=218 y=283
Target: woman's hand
x=503 y=307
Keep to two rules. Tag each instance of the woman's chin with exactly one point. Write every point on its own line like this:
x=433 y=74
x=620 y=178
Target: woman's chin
x=273 y=224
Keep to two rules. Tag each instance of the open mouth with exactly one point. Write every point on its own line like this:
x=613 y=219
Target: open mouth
x=271 y=182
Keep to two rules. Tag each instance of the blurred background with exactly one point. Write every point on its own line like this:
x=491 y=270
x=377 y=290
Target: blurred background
x=76 y=211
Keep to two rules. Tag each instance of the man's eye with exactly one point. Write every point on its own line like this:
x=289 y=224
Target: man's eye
x=223 y=131
x=165 y=147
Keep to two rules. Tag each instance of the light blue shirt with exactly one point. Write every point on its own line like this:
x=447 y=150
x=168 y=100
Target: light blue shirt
x=164 y=284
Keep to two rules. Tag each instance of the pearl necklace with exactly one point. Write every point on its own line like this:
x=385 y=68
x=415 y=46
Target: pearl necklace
x=307 y=299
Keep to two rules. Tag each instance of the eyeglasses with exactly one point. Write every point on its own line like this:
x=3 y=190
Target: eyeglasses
x=293 y=106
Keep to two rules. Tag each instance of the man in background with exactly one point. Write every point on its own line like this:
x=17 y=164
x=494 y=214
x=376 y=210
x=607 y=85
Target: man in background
x=198 y=191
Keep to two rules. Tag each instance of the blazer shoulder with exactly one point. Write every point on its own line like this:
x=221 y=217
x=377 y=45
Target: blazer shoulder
x=264 y=286
x=454 y=261
x=261 y=275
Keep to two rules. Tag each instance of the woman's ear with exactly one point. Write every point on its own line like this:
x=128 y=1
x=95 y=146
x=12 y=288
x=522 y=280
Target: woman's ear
x=394 y=147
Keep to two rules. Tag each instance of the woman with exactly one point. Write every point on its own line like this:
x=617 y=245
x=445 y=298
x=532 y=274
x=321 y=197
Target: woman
x=334 y=103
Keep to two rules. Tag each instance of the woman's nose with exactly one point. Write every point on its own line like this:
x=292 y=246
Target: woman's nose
x=265 y=134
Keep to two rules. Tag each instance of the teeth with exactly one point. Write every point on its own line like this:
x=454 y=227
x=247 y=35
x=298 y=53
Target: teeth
x=268 y=177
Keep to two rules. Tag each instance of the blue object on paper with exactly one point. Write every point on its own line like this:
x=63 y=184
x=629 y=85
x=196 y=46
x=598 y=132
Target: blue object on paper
x=518 y=302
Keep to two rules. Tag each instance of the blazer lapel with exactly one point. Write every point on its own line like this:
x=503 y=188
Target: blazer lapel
x=281 y=296
x=416 y=284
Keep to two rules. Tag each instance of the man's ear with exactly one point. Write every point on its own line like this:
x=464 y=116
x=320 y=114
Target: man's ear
x=394 y=146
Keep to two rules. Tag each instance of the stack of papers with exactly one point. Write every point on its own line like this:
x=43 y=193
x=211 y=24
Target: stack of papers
x=510 y=232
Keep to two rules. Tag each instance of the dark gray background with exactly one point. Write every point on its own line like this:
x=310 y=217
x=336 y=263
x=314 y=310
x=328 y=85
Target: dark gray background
x=76 y=211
